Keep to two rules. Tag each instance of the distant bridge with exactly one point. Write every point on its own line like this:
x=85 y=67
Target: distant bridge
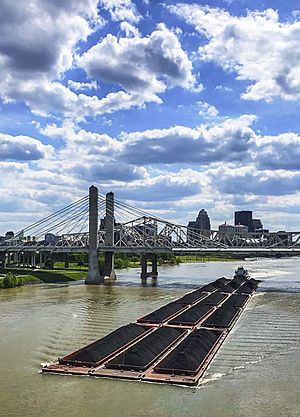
x=98 y=224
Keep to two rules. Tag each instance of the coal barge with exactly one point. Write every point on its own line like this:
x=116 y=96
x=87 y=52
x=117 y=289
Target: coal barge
x=173 y=344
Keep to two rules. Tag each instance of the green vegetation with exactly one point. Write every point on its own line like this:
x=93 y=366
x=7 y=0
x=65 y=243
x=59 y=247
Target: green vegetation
x=208 y=258
x=78 y=267
x=11 y=280
x=45 y=275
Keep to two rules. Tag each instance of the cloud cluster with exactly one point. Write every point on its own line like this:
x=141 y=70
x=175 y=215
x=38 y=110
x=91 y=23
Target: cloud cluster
x=143 y=66
x=228 y=141
x=38 y=39
x=23 y=148
x=257 y=47
x=121 y=10
x=39 y=44
x=209 y=175
x=247 y=180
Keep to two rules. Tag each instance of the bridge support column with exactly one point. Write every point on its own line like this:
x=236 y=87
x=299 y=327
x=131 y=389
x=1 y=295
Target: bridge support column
x=67 y=259
x=93 y=276
x=5 y=260
x=33 y=259
x=154 y=272
x=2 y=257
x=109 y=270
x=41 y=259
x=15 y=258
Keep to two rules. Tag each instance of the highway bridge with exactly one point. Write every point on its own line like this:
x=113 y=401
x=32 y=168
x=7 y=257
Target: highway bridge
x=98 y=224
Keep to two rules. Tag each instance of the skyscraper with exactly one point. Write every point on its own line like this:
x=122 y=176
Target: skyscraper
x=257 y=224
x=202 y=223
x=244 y=217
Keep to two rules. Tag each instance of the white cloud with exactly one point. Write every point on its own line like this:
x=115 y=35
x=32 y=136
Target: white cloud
x=53 y=97
x=257 y=47
x=248 y=180
x=228 y=141
x=130 y=30
x=37 y=46
x=90 y=156
x=223 y=88
x=22 y=148
x=121 y=10
x=207 y=110
x=278 y=152
x=79 y=86
x=38 y=41
x=144 y=66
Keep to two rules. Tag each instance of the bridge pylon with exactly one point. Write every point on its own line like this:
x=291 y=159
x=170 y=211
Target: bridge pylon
x=109 y=270
x=93 y=276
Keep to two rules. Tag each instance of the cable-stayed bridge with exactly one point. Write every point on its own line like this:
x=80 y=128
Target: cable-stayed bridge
x=98 y=224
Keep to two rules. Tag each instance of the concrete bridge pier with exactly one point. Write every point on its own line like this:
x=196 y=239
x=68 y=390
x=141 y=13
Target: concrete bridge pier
x=4 y=262
x=144 y=263
x=15 y=258
x=33 y=259
x=67 y=260
x=93 y=276
x=8 y=259
x=109 y=267
x=109 y=270
x=41 y=259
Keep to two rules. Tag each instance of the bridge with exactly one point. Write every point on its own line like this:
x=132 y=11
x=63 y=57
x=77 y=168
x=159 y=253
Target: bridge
x=98 y=224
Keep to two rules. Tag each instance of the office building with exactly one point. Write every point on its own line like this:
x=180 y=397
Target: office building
x=196 y=228
x=244 y=218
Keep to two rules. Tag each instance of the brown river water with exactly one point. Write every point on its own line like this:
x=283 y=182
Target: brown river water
x=255 y=373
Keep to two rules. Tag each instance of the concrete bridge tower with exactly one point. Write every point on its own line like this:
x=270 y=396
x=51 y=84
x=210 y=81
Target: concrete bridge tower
x=109 y=271
x=93 y=274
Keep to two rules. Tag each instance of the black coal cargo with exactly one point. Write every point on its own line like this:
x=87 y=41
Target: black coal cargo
x=222 y=317
x=140 y=356
x=223 y=280
x=236 y=300
x=192 y=297
x=248 y=287
x=227 y=288
x=214 y=299
x=188 y=357
x=209 y=288
x=97 y=351
x=162 y=313
x=238 y=281
x=193 y=315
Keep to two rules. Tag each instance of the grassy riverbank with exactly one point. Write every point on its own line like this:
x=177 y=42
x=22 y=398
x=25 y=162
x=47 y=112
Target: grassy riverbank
x=46 y=275
x=203 y=258
x=10 y=280
x=77 y=270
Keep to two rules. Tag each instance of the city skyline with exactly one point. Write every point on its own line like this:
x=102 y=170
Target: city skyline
x=174 y=106
x=239 y=218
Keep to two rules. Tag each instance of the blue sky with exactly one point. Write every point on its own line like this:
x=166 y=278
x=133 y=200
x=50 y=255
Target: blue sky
x=175 y=106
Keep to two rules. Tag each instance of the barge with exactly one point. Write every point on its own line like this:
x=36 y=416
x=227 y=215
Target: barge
x=173 y=344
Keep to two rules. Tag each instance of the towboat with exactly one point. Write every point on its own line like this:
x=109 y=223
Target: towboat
x=241 y=272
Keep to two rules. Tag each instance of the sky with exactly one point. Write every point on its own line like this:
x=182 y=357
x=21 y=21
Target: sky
x=175 y=106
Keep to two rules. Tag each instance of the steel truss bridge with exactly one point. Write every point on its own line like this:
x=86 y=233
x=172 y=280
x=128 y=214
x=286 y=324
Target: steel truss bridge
x=136 y=231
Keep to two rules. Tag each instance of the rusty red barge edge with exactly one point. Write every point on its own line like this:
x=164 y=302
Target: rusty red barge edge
x=186 y=377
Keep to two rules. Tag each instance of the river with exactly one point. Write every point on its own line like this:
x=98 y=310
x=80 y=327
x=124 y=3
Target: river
x=255 y=373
